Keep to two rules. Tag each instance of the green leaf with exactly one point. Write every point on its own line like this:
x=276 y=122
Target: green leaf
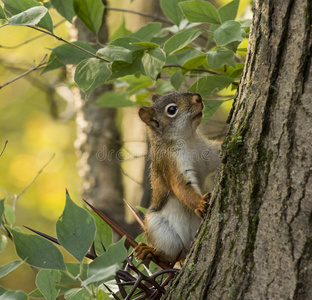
x=172 y=10
x=147 y=32
x=200 y=11
x=35 y=294
x=12 y=295
x=148 y=45
x=2 y=14
x=10 y=267
x=112 y=53
x=101 y=295
x=107 y=264
x=246 y=24
x=70 y=276
x=237 y=73
x=14 y=7
x=229 y=31
x=48 y=5
x=177 y=79
x=163 y=88
x=232 y=46
x=75 y=269
x=136 y=84
x=3 y=242
x=121 y=30
x=31 y=16
x=220 y=57
x=143 y=98
x=181 y=39
x=37 y=251
x=126 y=42
x=104 y=233
x=121 y=68
x=101 y=78
x=78 y=294
x=46 y=281
x=86 y=73
x=90 y=12
x=210 y=85
x=211 y=106
x=9 y=214
x=75 y=229
x=142 y=209
x=160 y=40
x=229 y=11
x=194 y=62
x=69 y=55
x=153 y=60
x=64 y=8
x=114 y=99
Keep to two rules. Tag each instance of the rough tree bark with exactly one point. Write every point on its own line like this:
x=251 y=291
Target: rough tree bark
x=256 y=241
x=98 y=141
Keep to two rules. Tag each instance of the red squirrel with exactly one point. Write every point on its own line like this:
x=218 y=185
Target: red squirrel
x=183 y=163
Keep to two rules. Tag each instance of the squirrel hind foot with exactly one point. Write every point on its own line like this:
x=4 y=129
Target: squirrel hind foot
x=143 y=251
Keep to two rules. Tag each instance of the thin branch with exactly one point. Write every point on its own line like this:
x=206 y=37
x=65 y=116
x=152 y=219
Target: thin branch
x=15 y=197
x=36 y=176
x=6 y=192
x=6 y=24
x=164 y=20
x=26 y=73
x=68 y=43
x=159 y=18
x=113 y=225
x=130 y=177
x=132 y=156
x=30 y=40
x=197 y=70
x=5 y=144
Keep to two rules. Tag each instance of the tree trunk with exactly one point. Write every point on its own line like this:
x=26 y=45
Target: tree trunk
x=98 y=142
x=256 y=241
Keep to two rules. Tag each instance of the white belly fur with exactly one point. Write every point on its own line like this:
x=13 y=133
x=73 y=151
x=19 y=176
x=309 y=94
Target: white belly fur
x=172 y=229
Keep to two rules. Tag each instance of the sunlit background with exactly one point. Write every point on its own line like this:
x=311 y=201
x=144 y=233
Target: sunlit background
x=37 y=119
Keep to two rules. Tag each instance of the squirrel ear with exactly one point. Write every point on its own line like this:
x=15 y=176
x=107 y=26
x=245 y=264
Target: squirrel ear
x=146 y=114
x=155 y=97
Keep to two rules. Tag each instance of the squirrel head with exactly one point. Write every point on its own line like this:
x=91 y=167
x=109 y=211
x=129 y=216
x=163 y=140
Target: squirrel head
x=173 y=116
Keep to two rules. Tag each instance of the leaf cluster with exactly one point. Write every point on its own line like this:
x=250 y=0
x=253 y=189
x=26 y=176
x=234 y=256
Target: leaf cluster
x=77 y=231
x=140 y=63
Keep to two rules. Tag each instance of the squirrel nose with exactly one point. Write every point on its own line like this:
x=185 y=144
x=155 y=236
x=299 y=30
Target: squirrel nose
x=196 y=99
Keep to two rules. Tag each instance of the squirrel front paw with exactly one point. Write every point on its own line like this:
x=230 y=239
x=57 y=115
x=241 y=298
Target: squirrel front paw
x=203 y=205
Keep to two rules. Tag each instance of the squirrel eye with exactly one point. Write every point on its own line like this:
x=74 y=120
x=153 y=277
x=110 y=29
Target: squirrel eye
x=171 y=110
